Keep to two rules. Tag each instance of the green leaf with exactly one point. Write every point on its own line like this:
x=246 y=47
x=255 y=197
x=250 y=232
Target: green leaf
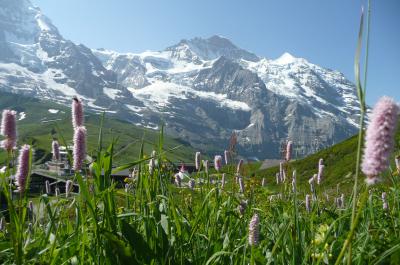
x=136 y=241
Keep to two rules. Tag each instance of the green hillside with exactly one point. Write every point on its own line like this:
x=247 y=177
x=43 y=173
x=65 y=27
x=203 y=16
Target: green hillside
x=339 y=161
x=43 y=117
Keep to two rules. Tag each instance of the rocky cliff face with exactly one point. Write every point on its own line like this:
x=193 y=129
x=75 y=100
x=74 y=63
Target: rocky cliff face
x=202 y=89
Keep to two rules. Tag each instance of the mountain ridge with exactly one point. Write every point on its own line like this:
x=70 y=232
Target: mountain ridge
x=202 y=89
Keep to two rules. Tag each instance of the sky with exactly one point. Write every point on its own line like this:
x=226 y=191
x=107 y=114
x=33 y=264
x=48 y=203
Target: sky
x=323 y=32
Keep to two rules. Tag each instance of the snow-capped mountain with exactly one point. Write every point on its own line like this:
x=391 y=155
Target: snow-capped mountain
x=203 y=88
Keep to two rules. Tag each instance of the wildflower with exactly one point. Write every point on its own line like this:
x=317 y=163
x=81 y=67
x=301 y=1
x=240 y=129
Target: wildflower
x=55 y=150
x=79 y=151
x=217 y=162
x=239 y=166
x=23 y=168
x=308 y=203
x=191 y=184
x=226 y=156
x=126 y=187
x=320 y=173
x=254 y=230
x=77 y=113
x=385 y=205
x=205 y=165
x=223 y=181
x=197 y=160
x=241 y=184
x=288 y=150
x=263 y=183
x=320 y=162
x=379 y=138
x=68 y=188
x=9 y=129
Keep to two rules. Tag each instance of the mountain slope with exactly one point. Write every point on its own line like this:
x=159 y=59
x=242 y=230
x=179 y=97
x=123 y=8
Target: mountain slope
x=38 y=121
x=203 y=89
x=339 y=161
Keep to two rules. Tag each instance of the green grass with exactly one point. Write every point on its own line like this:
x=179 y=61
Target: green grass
x=339 y=161
x=155 y=222
x=34 y=131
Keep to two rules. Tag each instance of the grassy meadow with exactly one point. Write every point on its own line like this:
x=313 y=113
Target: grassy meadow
x=233 y=214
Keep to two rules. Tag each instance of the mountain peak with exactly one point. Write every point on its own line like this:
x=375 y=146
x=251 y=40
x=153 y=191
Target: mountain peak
x=25 y=22
x=211 y=48
x=287 y=58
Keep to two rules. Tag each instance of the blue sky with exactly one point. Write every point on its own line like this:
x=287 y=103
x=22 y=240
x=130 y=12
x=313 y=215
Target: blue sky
x=323 y=32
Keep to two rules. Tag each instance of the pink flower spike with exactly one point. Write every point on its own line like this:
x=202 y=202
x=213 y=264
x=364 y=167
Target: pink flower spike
x=23 y=168
x=379 y=138
x=320 y=174
x=77 y=113
x=79 y=151
x=288 y=150
x=55 y=150
x=9 y=129
x=218 y=163
x=254 y=230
